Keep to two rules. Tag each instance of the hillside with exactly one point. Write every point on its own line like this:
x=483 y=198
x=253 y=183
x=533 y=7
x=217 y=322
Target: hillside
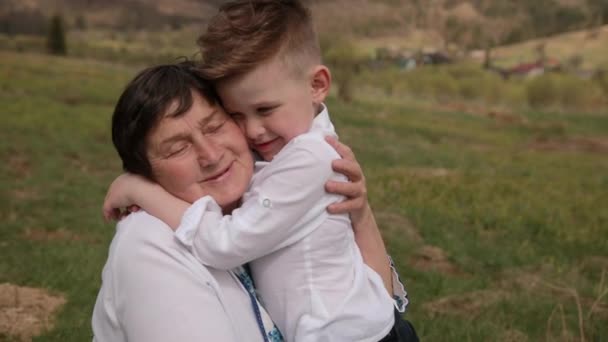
x=468 y=23
x=587 y=48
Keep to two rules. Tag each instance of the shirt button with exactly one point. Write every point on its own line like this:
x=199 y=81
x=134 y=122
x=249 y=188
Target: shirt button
x=266 y=203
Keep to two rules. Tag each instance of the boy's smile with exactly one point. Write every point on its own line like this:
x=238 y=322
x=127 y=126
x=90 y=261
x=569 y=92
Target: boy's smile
x=271 y=105
x=268 y=146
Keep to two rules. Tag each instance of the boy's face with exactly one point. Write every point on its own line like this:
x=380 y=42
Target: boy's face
x=270 y=104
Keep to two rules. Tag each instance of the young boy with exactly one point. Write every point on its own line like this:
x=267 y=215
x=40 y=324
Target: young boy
x=264 y=59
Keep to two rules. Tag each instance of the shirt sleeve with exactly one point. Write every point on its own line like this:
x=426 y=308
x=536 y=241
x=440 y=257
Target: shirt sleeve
x=159 y=298
x=286 y=202
x=400 y=297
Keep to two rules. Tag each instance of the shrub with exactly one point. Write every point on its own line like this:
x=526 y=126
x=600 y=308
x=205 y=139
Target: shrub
x=565 y=91
x=345 y=61
x=577 y=93
x=541 y=91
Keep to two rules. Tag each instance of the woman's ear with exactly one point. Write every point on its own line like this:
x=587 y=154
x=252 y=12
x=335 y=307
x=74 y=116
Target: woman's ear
x=320 y=82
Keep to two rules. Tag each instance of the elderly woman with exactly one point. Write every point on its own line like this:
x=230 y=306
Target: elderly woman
x=153 y=288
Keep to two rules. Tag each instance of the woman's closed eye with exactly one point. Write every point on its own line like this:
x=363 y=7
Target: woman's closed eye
x=177 y=150
x=213 y=127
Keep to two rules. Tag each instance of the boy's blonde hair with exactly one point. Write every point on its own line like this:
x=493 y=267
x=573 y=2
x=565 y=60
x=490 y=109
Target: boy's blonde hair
x=247 y=33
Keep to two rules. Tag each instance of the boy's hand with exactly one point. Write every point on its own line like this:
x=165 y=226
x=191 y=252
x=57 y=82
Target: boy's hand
x=355 y=190
x=120 y=200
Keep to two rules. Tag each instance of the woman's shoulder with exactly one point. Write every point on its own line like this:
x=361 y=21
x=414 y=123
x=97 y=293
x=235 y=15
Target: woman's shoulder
x=143 y=242
x=142 y=228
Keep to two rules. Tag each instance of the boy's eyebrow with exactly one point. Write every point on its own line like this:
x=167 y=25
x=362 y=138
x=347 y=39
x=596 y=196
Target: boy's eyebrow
x=267 y=103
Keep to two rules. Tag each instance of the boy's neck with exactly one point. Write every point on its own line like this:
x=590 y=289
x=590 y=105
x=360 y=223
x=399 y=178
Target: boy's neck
x=318 y=109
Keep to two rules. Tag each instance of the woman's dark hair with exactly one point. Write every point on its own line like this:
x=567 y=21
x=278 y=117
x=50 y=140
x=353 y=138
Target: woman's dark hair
x=145 y=101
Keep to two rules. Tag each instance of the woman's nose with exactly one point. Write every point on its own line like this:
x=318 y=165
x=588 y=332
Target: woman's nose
x=209 y=153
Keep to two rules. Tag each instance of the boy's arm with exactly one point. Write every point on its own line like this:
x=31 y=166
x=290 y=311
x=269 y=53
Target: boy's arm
x=367 y=235
x=129 y=189
x=284 y=206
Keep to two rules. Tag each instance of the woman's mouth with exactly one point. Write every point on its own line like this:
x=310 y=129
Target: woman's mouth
x=220 y=176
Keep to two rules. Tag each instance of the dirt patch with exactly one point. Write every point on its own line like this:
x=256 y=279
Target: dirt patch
x=19 y=165
x=26 y=312
x=432 y=258
x=522 y=280
x=61 y=234
x=429 y=172
x=513 y=335
x=76 y=162
x=533 y=282
x=24 y=194
x=595 y=263
x=500 y=116
x=506 y=118
x=574 y=144
x=468 y=304
x=398 y=225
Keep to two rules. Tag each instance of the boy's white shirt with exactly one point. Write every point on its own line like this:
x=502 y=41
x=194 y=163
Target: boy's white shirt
x=305 y=262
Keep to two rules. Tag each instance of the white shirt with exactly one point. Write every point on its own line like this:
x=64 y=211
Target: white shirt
x=305 y=263
x=154 y=290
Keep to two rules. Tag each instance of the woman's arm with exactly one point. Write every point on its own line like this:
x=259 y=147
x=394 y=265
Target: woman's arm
x=367 y=234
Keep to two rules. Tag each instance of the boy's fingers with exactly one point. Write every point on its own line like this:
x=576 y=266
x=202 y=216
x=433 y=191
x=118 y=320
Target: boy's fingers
x=349 y=190
x=342 y=207
x=350 y=169
x=344 y=151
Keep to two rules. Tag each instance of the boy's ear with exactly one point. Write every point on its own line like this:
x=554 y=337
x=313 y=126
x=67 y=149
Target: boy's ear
x=320 y=81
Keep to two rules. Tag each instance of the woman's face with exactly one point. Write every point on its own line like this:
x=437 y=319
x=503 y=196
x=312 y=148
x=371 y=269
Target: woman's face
x=201 y=152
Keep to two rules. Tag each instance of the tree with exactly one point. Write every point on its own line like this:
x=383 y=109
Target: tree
x=56 y=36
x=80 y=22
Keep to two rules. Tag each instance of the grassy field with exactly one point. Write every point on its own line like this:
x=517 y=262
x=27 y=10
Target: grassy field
x=498 y=222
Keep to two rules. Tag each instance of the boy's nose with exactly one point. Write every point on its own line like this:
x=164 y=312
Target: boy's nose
x=254 y=129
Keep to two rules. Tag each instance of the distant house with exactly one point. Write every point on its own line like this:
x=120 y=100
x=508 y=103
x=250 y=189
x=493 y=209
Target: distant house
x=435 y=58
x=534 y=69
x=406 y=59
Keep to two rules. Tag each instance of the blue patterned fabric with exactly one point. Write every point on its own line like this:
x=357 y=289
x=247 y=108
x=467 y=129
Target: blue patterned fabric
x=269 y=331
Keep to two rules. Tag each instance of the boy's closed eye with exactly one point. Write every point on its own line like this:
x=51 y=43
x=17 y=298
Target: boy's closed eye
x=266 y=110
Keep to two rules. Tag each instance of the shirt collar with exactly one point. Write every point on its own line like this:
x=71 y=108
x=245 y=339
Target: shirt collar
x=322 y=124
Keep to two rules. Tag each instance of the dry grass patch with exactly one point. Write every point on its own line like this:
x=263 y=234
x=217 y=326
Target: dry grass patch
x=398 y=226
x=19 y=165
x=465 y=304
x=420 y=172
x=431 y=258
x=24 y=194
x=513 y=335
x=61 y=234
x=574 y=144
x=26 y=312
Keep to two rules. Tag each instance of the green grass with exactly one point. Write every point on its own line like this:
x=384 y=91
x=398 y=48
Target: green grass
x=503 y=213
